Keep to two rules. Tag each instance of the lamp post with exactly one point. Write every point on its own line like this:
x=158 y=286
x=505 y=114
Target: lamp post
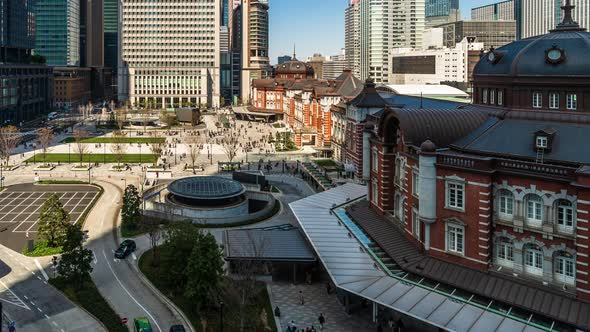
x=104 y=153
x=89 y=181
x=221 y=317
x=69 y=155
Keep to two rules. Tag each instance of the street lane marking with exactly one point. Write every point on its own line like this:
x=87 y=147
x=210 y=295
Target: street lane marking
x=54 y=323
x=15 y=299
x=133 y=255
x=95 y=259
x=41 y=269
x=46 y=316
x=39 y=309
x=126 y=291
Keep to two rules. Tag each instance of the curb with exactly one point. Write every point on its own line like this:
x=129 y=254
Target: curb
x=162 y=297
x=277 y=319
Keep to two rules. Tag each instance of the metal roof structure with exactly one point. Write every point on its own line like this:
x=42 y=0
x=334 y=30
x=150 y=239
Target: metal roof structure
x=424 y=90
x=206 y=188
x=353 y=267
x=279 y=245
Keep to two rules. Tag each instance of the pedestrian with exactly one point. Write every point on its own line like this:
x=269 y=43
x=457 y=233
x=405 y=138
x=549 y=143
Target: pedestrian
x=322 y=320
x=328 y=288
x=301 y=300
x=278 y=312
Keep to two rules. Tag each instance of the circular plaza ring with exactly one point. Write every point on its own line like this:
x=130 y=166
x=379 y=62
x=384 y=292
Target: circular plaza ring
x=206 y=191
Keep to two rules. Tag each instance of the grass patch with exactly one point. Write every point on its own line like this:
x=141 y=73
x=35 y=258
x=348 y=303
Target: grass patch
x=278 y=125
x=90 y=299
x=107 y=140
x=92 y=158
x=259 y=313
x=41 y=249
x=325 y=162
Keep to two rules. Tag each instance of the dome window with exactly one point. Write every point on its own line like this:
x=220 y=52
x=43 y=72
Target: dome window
x=555 y=55
x=494 y=56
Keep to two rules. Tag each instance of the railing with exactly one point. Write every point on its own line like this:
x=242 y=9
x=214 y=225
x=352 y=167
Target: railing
x=541 y=169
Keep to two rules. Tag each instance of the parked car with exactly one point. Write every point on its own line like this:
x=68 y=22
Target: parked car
x=126 y=248
x=177 y=328
x=141 y=324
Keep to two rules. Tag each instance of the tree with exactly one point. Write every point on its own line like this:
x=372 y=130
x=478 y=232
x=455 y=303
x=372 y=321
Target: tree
x=130 y=212
x=10 y=138
x=204 y=270
x=179 y=240
x=53 y=222
x=154 y=233
x=45 y=136
x=121 y=117
x=118 y=147
x=167 y=118
x=156 y=146
x=194 y=148
x=75 y=263
x=230 y=144
x=81 y=147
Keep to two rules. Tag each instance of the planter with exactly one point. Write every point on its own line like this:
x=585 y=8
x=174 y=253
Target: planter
x=80 y=168
x=8 y=168
x=44 y=168
x=116 y=168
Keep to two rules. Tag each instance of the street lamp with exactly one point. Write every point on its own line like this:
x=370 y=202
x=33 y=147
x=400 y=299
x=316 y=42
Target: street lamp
x=89 y=181
x=221 y=317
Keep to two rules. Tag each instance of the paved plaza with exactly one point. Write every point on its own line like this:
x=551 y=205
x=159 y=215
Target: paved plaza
x=286 y=297
x=20 y=207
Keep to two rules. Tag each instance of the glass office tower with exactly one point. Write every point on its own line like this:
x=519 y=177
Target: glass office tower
x=58 y=31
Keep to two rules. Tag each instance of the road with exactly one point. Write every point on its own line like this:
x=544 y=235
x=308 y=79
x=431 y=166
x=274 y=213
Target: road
x=118 y=280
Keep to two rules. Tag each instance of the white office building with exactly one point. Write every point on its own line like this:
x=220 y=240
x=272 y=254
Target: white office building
x=334 y=65
x=352 y=43
x=537 y=17
x=170 y=53
x=499 y=11
x=431 y=65
x=383 y=25
x=255 y=60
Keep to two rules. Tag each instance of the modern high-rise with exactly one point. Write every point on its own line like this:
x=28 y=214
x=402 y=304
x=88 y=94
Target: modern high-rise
x=490 y=33
x=58 y=31
x=499 y=11
x=334 y=66
x=91 y=33
x=170 y=53
x=235 y=43
x=352 y=36
x=284 y=58
x=255 y=60
x=383 y=25
x=111 y=34
x=25 y=86
x=537 y=17
x=440 y=7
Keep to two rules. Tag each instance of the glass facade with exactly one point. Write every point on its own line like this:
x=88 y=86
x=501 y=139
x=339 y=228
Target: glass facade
x=17 y=29
x=58 y=31
x=111 y=28
x=440 y=7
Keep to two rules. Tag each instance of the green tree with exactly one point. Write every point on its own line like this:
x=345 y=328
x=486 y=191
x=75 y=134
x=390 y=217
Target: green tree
x=53 y=221
x=204 y=271
x=130 y=212
x=179 y=240
x=75 y=263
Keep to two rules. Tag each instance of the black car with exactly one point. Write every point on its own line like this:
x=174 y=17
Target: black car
x=126 y=247
x=177 y=328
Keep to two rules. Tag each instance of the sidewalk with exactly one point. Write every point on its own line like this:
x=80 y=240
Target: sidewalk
x=286 y=297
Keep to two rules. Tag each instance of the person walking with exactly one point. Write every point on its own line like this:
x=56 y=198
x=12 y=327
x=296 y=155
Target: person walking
x=322 y=321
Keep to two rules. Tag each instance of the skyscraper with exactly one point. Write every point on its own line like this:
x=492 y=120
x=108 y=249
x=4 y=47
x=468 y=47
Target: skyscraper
x=440 y=7
x=91 y=33
x=382 y=25
x=255 y=61
x=170 y=53
x=25 y=87
x=499 y=11
x=58 y=31
x=111 y=34
x=352 y=37
x=537 y=17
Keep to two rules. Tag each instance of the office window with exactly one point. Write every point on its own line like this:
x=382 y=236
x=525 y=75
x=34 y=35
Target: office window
x=500 y=97
x=455 y=195
x=492 y=96
x=565 y=269
x=533 y=261
x=537 y=99
x=505 y=253
x=416 y=183
x=455 y=238
x=416 y=224
x=484 y=96
x=506 y=204
x=375 y=160
x=565 y=216
x=554 y=100
x=534 y=210
x=542 y=142
x=572 y=101
x=375 y=192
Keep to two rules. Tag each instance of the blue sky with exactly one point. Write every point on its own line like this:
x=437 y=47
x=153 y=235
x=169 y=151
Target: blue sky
x=317 y=26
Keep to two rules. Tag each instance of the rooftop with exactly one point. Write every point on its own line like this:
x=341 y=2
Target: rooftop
x=206 y=188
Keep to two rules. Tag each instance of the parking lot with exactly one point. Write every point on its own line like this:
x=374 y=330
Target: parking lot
x=20 y=207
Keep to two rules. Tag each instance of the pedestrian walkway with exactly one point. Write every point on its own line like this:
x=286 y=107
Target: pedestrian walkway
x=286 y=297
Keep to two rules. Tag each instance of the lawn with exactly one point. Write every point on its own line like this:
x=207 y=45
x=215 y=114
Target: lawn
x=90 y=299
x=258 y=313
x=121 y=140
x=325 y=162
x=92 y=158
x=41 y=249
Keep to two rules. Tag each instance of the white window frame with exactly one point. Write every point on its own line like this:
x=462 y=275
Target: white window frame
x=399 y=209
x=415 y=224
x=375 y=160
x=533 y=261
x=542 y=142
x=416 y=183
x=565 y=216
x=374 y=192
x=455 y=195
x=534 y=210
x=571 y=101
x=537 y=99
x=505 y=254
x=500 y=97
x=455 y=238
x=492 y=96
x=564 y=269
x=554 y=100
x=484 y=98
x=506 y=204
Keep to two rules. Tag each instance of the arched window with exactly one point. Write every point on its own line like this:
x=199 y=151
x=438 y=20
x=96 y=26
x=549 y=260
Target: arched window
x=564 y=268
x=505 y=204
x=533 y=260
x=505 y=252
x=565 y=216
x=534 y=210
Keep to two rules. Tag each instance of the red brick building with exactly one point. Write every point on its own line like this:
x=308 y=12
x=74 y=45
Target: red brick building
x=494 y=198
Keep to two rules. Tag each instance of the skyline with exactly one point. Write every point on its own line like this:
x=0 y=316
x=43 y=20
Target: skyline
x=325 y=23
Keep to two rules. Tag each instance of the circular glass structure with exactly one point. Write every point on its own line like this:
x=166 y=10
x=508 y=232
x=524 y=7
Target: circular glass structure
x=206 y=191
